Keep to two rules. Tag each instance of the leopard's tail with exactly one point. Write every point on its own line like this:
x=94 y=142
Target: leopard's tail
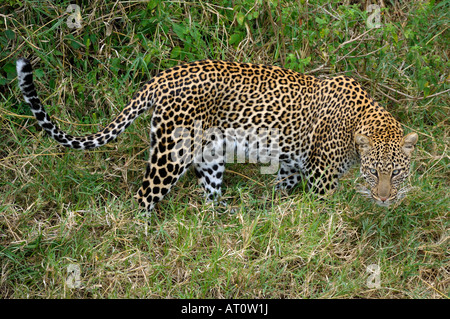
x=137 y=106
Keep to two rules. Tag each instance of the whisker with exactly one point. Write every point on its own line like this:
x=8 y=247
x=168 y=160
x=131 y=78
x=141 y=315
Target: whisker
x=364 y=191
x=403 y=191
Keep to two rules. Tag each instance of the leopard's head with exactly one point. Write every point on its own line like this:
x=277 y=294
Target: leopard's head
x=385 y=165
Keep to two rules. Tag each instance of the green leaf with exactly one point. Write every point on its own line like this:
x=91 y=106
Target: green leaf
x=152 y=4
x=39 y=73
x=236 y=38
x=240 y=18
x=176 y=52
x=87 y=43
x=74 y=43
x=9 y=68
x=395 y=37
x=321 y=21
x=180 y=30
x=10 y=34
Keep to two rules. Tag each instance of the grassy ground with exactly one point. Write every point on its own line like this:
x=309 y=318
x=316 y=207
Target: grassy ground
x=62 y=209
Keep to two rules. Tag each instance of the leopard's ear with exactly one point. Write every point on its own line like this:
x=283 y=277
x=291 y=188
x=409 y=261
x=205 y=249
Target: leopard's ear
x=408 y=143
x=363 y=143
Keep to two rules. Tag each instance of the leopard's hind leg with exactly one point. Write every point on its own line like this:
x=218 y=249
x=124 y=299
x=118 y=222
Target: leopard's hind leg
x=288 y=176
x=210 y=175
x=170 y=156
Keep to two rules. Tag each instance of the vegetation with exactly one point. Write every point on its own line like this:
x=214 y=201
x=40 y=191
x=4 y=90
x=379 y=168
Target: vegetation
x=61 y=208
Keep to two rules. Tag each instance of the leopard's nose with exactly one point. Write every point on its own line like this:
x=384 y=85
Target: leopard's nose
x=383 y=198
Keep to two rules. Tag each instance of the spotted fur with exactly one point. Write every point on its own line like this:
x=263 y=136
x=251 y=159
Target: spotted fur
x=325 y=126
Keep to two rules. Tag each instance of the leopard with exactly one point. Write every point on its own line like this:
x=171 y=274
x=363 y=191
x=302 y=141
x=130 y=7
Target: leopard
x=314 y=129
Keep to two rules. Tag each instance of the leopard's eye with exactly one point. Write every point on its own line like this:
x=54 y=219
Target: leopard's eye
x=395 y=172
x=373 y=171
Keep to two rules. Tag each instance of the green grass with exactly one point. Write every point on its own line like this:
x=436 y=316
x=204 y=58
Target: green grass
x=60 y=207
